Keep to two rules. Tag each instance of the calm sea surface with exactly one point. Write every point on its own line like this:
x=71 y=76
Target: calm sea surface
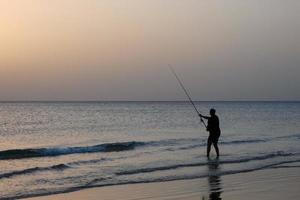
x=48 y=148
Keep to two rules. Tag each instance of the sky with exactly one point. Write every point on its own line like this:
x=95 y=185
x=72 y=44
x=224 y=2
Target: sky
x=105 y=50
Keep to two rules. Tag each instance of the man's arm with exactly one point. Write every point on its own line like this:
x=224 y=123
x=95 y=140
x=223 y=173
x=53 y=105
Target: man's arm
x=202 y=116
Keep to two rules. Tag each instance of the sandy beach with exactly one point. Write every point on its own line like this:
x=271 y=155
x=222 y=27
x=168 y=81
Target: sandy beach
x=278 y=183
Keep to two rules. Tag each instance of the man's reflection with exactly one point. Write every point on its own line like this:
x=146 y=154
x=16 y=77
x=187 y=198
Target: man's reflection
x=214 y=180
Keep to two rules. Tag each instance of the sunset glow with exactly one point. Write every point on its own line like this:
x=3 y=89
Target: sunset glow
x=74 y=49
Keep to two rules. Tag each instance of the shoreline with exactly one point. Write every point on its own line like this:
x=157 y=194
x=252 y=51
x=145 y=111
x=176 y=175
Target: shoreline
x=270 y=183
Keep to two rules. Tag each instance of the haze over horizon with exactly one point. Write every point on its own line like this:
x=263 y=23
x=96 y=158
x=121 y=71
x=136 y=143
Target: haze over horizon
x=120 y=50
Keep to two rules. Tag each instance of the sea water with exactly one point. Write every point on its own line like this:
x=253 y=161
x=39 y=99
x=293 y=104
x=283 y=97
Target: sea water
x=55 y=147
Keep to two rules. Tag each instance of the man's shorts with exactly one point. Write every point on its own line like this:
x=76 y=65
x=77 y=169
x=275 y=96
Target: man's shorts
x=213 y=137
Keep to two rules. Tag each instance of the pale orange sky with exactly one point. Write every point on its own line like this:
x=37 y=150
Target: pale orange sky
x=120 y=49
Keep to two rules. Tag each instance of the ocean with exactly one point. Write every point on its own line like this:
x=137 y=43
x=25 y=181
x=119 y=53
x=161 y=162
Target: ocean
x=57 y=147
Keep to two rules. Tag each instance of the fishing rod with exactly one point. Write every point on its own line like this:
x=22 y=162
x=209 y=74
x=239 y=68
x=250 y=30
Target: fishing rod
x=187 y=94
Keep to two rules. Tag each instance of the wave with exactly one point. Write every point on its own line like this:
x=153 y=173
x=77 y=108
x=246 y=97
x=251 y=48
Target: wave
x=294 y=136
x=141 y=170
x=285 y=167
x=58 y=167
x=122 y=146
x=46 y=152
x=197 y=164
x=94 y=161
x=202 y=143
x=95 y=182
x=242 y=141
x=108 y=147
x=219 y=173
x=234 y=142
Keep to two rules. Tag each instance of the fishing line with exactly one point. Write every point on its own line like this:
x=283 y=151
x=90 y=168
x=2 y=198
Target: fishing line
x=186 y=92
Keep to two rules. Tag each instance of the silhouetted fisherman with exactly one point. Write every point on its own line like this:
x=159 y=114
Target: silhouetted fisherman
x=214 y=131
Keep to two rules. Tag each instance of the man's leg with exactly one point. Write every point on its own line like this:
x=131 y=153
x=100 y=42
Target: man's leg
x=216 y=148
x=209 y=142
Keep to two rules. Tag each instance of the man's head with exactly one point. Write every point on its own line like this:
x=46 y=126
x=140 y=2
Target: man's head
x=212 y=112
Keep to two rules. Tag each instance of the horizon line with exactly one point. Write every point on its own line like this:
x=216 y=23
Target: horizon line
x=116 y=101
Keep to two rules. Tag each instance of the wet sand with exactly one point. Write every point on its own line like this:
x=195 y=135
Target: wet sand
x=277 y=183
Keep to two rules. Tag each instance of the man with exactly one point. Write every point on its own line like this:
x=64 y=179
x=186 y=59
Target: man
x=214 y=131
